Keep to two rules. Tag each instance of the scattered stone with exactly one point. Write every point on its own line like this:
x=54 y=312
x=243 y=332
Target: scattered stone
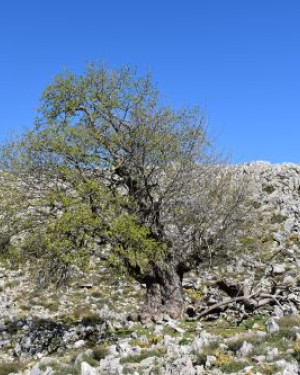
x=272 y=326
x=245 y=349
x=278 y=269
x=272 y=354
x=147 y=362
x=210 y=360
x=277 y=311
x=79 y=344
x=172 y=324
x=289 y=280
x=259 y=358
x=86 y=369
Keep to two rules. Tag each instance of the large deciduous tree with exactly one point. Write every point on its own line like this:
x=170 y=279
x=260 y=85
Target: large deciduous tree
x=108 y=163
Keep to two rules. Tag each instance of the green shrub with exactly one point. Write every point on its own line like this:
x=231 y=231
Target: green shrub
x=100 y=352
x=278 y=219
x=269 y=189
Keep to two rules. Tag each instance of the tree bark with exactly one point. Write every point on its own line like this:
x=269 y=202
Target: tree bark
x=164 y=295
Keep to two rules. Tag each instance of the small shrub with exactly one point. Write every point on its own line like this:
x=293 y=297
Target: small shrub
x=155 y=339
x=269 y=189
x=247 y=241
x=86 y=315
x=185 y=341
x=25 y=307
x=96 y=294
x=269 y=369
x=4 y=241
x=100 y=352
x=91 y=319
x=294 y=237
x=49 y=304
x=278 y=219
x=296 y=348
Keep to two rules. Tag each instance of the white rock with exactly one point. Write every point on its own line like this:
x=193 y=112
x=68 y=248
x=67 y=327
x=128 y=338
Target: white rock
x=289 y=280
x=210 y=359
x=259 y=358
x=112 y=350
x=143 y=339
x=272 y=326
x=248 y=369
x=86 y=369
x=172 y=324
x=147 y=362
x=78 y=344
x=111 y=366
x=37 y=371
x=198 y=344
x=272 y=353
x=134 y=335
x=47 y=361
x=292 y=310
x=245 y=349
x=278 y=311
x=279 y=269
x=158 y=329
x=291 y=369
x=288 y=368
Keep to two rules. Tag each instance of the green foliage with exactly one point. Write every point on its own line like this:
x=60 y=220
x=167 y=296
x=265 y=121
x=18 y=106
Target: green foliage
x=269 y=189
x=278 y=219
x=141 y=250
x=248 y=241
x=65 y=182
x=100 y=352
x=107 y=165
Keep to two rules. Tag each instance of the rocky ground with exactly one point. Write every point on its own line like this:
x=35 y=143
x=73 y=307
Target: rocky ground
x=85 y=328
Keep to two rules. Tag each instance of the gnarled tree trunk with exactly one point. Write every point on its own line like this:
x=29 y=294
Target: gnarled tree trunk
x=164 y=294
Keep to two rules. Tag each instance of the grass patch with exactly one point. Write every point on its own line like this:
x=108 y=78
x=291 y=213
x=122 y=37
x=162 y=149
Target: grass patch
x=8 y=368
x=233 y=366
x=49 y=304
x=289 y=322
x=143 y=355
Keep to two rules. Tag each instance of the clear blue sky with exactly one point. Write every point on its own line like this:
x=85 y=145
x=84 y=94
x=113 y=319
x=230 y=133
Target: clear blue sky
x=237 y=59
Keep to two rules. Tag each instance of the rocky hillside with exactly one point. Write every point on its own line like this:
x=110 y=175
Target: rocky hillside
x=242 y=316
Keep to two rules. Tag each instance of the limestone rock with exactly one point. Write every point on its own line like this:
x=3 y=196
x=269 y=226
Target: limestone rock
x=86 y=369
x=272 y=326
x=245 y=349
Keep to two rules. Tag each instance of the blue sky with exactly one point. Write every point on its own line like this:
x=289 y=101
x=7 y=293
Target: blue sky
x=238 y=60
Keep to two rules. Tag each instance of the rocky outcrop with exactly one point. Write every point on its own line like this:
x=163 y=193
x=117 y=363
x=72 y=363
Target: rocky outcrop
x=242 y=315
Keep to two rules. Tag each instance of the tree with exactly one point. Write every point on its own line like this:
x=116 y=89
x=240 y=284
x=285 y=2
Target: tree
x=108 y=163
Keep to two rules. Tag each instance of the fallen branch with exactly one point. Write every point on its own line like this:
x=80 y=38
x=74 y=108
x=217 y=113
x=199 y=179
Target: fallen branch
x=224 y=303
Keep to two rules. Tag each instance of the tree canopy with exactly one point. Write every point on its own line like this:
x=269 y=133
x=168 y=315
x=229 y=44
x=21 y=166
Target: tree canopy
x=108 y=165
